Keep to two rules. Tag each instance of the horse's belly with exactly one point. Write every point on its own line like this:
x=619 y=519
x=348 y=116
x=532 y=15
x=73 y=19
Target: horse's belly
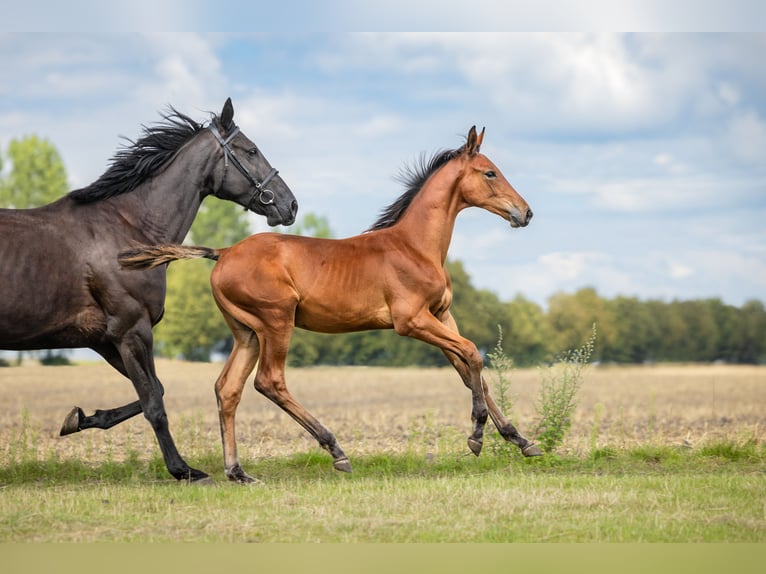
x=342 y=319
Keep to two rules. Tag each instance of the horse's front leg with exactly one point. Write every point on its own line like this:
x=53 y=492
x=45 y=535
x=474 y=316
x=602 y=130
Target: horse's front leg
x=135 y=348
x=76 y=420
x=426 y=327
x=504 y=427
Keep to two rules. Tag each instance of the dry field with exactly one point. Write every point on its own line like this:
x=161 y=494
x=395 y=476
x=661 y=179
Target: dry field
x=381 y=410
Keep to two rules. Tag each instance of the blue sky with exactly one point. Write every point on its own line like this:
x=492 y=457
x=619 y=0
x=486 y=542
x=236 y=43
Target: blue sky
x=643 y=156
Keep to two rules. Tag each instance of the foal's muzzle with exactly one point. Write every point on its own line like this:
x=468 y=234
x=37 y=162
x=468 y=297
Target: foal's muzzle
x=520 y=218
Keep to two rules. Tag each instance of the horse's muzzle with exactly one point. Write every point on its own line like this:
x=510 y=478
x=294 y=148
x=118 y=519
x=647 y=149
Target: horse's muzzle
x=520 y=218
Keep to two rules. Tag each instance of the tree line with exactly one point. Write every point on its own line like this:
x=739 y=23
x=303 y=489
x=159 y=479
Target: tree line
x=630 y=330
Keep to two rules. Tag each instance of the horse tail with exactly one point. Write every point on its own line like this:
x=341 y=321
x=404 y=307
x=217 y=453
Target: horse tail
x=151 y=256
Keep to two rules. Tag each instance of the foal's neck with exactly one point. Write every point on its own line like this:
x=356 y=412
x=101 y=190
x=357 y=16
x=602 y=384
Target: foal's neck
x=430 y=218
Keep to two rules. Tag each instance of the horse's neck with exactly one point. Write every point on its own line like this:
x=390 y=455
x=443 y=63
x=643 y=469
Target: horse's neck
x=163 y=208
x=430 y=218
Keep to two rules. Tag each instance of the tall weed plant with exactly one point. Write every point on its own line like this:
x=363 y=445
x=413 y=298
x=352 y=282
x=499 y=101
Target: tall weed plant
x=500 y=381
x=560 y=384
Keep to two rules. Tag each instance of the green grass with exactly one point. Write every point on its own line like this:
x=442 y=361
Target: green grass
x=649 y=494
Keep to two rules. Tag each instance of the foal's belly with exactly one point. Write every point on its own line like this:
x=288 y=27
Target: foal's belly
x=343 y=318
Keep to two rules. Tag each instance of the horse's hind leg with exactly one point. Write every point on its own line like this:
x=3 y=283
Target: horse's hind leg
x=270 y=382
x=228 y=392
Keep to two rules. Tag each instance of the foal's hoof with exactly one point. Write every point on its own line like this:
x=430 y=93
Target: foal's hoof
x=531 y=450
x=475 y=445
x=238 y=475
x=342 y=464
x=72 y=422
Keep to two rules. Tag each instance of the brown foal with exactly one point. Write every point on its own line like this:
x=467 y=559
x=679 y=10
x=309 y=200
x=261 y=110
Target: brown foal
x=391 y=277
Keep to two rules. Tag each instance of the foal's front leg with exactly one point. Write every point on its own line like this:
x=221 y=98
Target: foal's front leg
x=504 y=427
x=426 y=327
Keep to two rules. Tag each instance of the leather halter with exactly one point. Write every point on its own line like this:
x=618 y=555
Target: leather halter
x=265 y=196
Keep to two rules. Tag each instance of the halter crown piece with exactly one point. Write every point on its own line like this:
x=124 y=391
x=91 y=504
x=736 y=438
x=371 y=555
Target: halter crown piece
x=265 y=196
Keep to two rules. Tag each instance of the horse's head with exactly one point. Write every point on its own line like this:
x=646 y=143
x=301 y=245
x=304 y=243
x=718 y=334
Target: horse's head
x=483 y=185
x=252 y=183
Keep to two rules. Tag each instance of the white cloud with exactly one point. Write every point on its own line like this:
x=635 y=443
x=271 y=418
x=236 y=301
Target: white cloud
x=615 y=140
x=746 y=137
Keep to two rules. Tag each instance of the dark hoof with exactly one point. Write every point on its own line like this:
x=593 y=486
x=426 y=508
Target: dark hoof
x=239 y=476
x=475 y=445
x=531 y=450
x=72 y=422
x=342 y=464
x=194 y=476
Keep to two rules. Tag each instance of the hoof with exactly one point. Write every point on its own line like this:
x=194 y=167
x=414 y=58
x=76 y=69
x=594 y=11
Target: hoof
x=475 y=445
x=531 y=450
x=72 y=422
x=238 y=475
x=194 y=476
x=342 y=464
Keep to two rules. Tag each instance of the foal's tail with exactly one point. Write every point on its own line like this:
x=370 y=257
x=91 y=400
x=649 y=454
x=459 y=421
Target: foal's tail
x=151 y=256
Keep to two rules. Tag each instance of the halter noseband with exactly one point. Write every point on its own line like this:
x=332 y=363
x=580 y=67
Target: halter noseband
x=265 y=196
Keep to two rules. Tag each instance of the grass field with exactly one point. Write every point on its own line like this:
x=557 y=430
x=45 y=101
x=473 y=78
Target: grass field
x=655 y=454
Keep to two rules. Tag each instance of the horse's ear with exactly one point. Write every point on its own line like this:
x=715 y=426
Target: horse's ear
x=472 y=141
x=227 y=115
x=479 y=140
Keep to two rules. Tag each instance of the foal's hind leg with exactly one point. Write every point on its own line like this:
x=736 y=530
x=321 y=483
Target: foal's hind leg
x=506 y=429
x=270 y=382
x=228 y=392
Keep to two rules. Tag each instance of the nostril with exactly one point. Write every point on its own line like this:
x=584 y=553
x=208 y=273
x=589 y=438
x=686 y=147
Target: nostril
x=529 y=215
x=294 y=207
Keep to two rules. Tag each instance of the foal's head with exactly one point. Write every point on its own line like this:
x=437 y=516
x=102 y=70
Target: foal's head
x=483 y=185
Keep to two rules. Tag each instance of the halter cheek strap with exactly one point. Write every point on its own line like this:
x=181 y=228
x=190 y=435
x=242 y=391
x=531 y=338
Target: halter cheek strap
x=265 y=196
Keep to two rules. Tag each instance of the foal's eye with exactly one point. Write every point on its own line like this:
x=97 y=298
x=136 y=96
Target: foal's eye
x=490 y=174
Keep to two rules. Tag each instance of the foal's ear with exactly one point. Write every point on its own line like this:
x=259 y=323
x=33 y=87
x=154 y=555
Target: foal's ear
x=473 y=141
x=227 y=115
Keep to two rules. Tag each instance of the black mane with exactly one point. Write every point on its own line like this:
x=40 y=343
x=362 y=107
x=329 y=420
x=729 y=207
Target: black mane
x=133 y=165
x=413 y=177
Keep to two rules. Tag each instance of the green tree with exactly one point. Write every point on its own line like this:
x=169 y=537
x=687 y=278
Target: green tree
x=37 y=174
x=193 y=326
x=753 y=326
x=571 y=316
x=635 y=329
x=219 y=224
x=312 y=225
x=527 y=338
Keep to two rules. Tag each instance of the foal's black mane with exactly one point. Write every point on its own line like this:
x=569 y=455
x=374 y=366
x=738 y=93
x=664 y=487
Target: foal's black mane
x=133 y=165
x=413 y=177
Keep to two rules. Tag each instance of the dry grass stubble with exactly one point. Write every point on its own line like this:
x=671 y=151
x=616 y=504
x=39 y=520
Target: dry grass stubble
x=379 y=410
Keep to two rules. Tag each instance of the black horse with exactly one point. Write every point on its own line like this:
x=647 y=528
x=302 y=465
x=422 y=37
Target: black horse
x=61 y=284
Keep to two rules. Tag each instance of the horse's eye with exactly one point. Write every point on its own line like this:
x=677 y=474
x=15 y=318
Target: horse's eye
x=490 y=174
x=252 y=152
